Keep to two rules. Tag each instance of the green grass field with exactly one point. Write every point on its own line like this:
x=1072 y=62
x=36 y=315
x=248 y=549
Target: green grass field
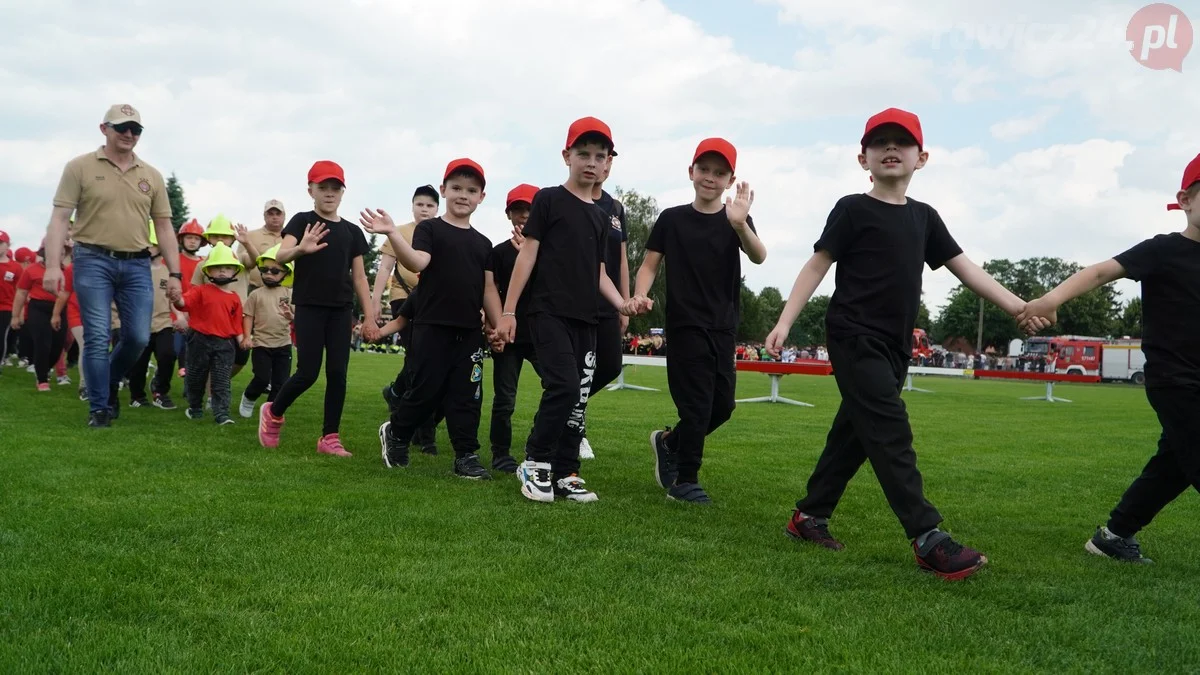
x=167 y=545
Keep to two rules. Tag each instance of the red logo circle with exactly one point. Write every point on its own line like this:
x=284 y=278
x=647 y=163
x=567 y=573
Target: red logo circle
x=1159 y=36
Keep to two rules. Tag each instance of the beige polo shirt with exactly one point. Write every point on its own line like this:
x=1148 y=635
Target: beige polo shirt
x=395 y=290
x=161 y=318
x=270 y=329
x=112 y=208
x=262 y=239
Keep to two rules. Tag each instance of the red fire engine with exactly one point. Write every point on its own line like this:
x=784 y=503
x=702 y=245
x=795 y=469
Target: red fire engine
x=1081 y=355
x=921 y=347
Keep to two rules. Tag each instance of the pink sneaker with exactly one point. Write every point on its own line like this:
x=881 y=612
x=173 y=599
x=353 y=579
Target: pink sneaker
x=331 y=445
x=43 y=386
x=269 y=427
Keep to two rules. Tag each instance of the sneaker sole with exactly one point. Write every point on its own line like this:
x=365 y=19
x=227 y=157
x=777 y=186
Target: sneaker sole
x=953 y=576
x=539 y=497
x=383 y=429
x=1091 y=547
x=583 y=499
x=466 y=477
x=797 y=537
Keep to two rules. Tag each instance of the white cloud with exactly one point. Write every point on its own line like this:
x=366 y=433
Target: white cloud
x=1013 y=129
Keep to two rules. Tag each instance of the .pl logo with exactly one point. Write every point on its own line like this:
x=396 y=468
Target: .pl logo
x=1159 y=36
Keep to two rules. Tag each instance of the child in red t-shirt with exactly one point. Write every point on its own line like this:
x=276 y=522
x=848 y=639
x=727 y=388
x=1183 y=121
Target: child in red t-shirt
x=45 y=333
x=215 y=317
x=10 y=272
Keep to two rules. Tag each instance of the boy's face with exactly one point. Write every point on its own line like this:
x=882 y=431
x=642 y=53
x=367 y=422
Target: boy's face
x=711 y=176
x=462 y=195
x=191 y=242
x=271 y=271
x=586 y=163
x=327 y=195
x=892 y=153
x=424 y=208
x=518 y=215
x=215 y=239
x=222 y=271
x=3 y=250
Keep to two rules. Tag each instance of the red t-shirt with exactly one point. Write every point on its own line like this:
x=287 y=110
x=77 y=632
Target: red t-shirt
x=31 y=280
x=213 y=311
x=187 y=266
x=10 y=273
x=69 y=287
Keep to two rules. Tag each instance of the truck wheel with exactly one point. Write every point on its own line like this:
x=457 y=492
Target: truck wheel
x=1074 y=371
x=1138 y=378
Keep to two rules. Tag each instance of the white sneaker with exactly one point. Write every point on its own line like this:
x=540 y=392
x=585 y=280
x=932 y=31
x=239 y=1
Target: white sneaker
x=246 y=409
x=572 y=488
x=64 y=380
x=30 y=369
x=535 y=481
x=585 y=449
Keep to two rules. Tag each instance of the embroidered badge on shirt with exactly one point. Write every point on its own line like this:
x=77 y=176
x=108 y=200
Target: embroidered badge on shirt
x=144 y=185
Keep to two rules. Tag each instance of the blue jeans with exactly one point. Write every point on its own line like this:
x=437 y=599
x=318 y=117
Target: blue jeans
x=99 y=281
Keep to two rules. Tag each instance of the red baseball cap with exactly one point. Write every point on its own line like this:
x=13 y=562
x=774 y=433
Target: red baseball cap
x=325 y=170
x=908 y=121
x=720 y=146
x=585 y=125
x=4 y=237
x=1191 y=175
x=25 y=255
x=466 y=164
x=522 y=193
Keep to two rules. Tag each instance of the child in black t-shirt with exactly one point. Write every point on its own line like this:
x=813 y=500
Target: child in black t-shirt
x=880 y=240
x=702 y=241
x=508 y=360
x=1168 y=266
x=565 y=238
x=328 y=254
x=445 y=359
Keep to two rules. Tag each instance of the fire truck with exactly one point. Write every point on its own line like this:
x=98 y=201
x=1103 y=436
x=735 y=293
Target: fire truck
x=1114 y=360
x=921 y=347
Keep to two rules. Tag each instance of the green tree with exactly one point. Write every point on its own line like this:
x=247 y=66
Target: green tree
x=1130 y=322
x=752 y=326
x=179 y=207
x=809 y=328
x=923 y=320
x=641 y=211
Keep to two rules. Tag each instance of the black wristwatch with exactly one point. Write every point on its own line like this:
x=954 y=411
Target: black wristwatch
x=177 y=275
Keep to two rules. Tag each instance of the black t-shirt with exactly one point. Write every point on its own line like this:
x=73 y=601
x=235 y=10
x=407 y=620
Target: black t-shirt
x=881 y=250
x=324 y=278
x=452 y=284
x=572 y=236
x=704 y=267
x=617 y=235
x=1168 y=266
x=500 y=263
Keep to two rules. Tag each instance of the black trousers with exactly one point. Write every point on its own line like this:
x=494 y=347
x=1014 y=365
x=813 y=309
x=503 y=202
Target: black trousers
x=25 y=344
x=241 y=356
x=1173 y=469
x=871 y=425
x=426 y=434
x=162 y=347
x=506 y=374
x=271 y=366
x=444 y=367
x=209 y=358
x=47 y=343
x=9 y=344
x=608 y=352
x=701 y=376
x=566 y=355
x=321 y=332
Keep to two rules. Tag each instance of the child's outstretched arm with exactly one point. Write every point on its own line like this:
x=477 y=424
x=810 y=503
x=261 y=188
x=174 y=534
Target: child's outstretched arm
x=392 y=327
x=492 y=308
x=640 y=302
x=737 y=209
x=1085 y=280
x=975 y=278
x=807 y=280
x=522 y=269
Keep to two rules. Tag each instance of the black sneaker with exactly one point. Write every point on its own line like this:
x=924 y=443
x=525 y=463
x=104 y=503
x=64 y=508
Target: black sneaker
x=815 y=530
x=430 y=450
x=83 y=394
x=468 y=466
x=689 y=492
x=571 y=488
x=665 y=469
x=224 y=420
x=1109 y=545
x=947 y=558
x=394 y=454
x=194 y=413
x=390 y=397
x=114 y=405
x=163 y=402
x=139 y=403
x=504 y=463
x=99 y=420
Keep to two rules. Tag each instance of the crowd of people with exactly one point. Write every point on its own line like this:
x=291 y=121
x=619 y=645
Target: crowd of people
x=556 y=294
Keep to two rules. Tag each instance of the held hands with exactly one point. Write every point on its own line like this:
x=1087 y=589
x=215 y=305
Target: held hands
x=737 y=208
x=507 y=328
x=181 y=325
x=638 y=304
x=495 y=340
x=175 y=291
x=247 y=342
x=1037 y=315
x=376 y=221
x=370 y=332
x=776 y=339
x=313 y=234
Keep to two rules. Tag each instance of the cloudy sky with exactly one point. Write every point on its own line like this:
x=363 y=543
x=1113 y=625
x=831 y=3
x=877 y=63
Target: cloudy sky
x=1046 y=136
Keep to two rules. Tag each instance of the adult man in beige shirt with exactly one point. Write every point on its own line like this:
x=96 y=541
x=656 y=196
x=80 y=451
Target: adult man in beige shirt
x=113 y=194
x=262 y=239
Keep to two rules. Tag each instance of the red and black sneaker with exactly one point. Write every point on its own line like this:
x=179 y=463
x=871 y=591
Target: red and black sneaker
x=815 y=530
x=947 y=558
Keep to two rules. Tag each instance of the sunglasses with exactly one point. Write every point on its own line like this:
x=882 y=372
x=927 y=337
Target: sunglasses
x=270 y=270
x=127 y=127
